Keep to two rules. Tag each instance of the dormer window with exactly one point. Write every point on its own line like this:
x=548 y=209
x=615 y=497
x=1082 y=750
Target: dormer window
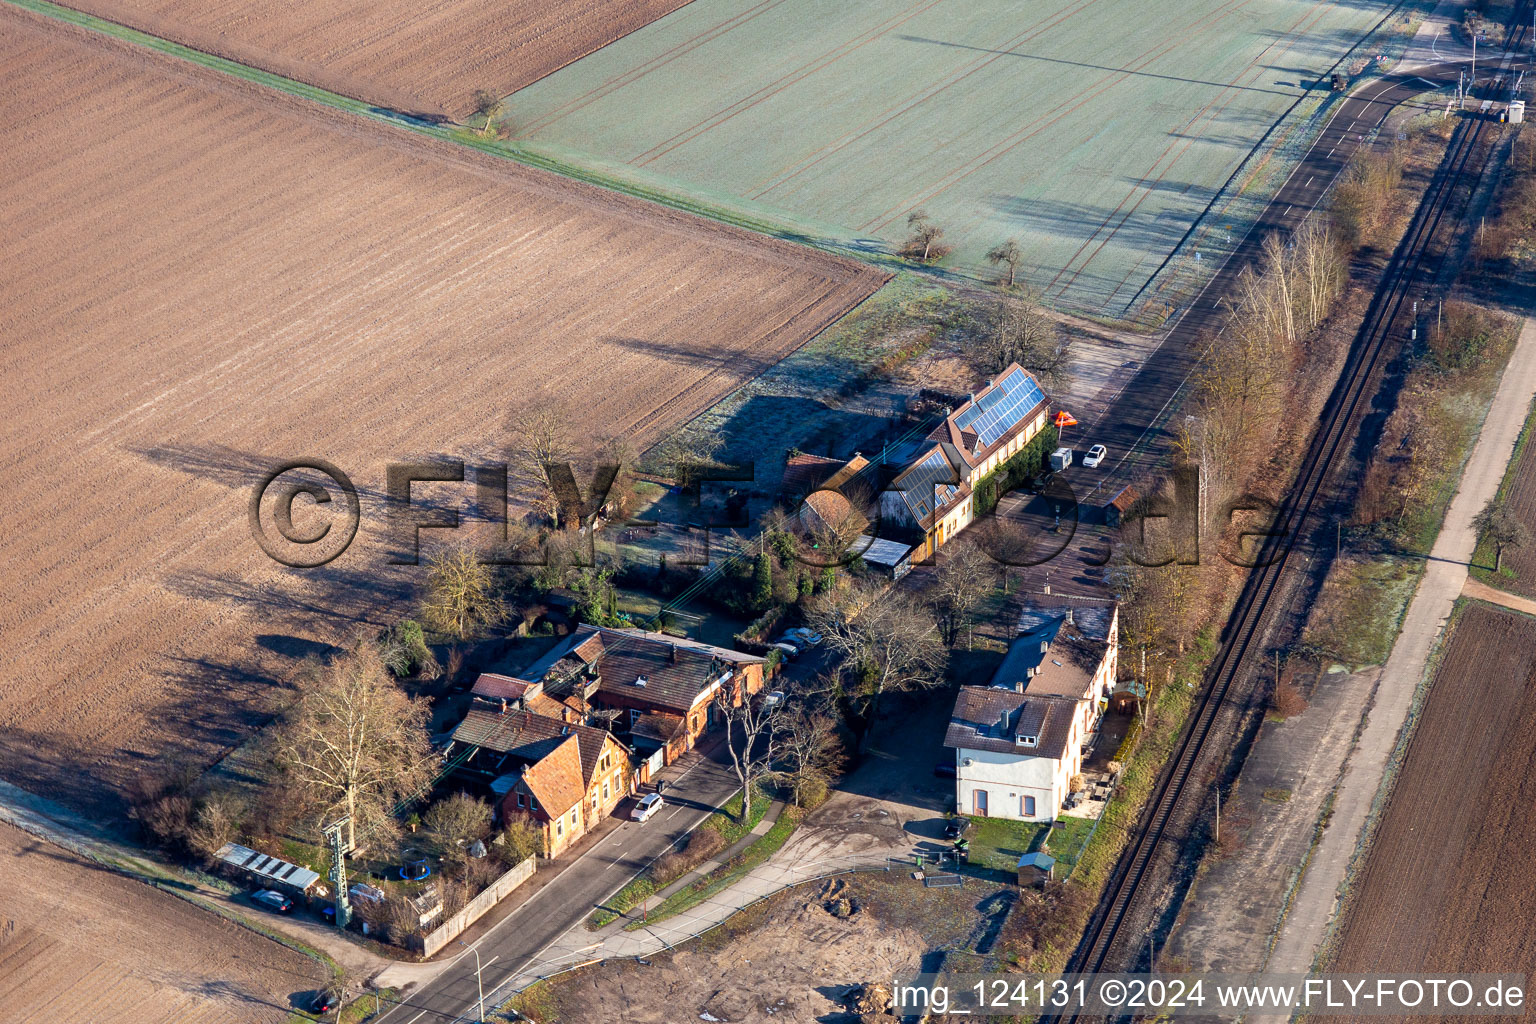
x=1027 y=741
x=641 y=680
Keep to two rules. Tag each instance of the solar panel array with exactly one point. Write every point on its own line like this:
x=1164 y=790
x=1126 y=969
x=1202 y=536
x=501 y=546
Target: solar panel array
x=1003 y=406
x=928 y=482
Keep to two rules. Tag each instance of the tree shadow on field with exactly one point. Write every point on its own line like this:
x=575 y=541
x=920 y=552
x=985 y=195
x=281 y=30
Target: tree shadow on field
x=1096 y=67
x=1144 y=232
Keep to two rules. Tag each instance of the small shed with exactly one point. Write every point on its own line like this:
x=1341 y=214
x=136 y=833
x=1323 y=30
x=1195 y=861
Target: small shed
x=888 y=557
x=1035 y=869
x=1117 y=507
x=267 y=870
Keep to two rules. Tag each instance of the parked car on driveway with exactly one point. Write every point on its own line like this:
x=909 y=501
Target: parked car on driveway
x=272 y=900
x=773 y=699
x=956 y=827
x=788 y=650
x=648 y=805
x=804 y=636
x=1095 y=455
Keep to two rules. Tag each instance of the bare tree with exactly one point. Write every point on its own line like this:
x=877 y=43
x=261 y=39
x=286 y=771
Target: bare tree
x=353 y=743
x=684 y=453
x=751 y=740
x=540 y=440
x=809 y=748
x=462 y=597
x=455 y=822
x=489 y=106
x=1020 y=330
x=218 y=820
x=1009 y=255
x=958 y=589
x=923 y=242
x=887 y=639
x=1499 y=527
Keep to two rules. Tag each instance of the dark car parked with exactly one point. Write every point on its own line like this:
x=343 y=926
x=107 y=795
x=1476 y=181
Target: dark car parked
x=272 y=901
x=944 y=769
x=954 y=828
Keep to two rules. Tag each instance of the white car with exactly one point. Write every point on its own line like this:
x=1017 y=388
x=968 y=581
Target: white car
x=802 y=635
x=773 y=699
x=648 y=805
x=1097 y=454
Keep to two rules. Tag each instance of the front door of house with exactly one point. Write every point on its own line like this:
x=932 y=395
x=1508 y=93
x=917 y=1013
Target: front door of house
x=979 y=797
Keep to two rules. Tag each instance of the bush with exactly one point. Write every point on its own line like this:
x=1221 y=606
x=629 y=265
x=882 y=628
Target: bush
x=402 y=923
x=1287 y=700
x=703 y=844
x=1462 y=336
x=521 y=839
x=457 y=821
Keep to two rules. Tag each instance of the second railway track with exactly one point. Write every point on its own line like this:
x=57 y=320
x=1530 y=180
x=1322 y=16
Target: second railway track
x=1404 y=272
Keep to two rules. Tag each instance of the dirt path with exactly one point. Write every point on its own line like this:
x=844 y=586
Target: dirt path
x=1483 y=592
x=1317 y=897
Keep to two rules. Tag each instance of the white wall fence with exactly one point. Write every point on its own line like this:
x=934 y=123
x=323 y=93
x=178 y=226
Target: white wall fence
x=476 y=908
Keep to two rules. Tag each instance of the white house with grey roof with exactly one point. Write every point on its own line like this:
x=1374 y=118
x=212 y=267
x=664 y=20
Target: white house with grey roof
x=933 y=494
x=1019 y=741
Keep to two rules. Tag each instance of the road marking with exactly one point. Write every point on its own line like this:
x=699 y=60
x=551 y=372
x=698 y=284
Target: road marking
x=1309 y=181
x=1286 y=214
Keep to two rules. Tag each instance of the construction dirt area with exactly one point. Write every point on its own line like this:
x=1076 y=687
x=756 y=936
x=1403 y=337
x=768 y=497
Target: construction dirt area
x=796 y=958
x=81 y=944
x=427 y=60
x=1444 y=888
x=216 y=278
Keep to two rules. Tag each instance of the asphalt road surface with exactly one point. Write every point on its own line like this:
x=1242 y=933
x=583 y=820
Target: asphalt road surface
x=1134 y=429
x=566 y=900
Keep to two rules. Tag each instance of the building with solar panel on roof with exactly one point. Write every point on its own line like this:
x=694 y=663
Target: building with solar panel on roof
x=934 y=497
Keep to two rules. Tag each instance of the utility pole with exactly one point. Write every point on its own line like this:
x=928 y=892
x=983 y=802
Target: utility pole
x=479 y=982
x=333 y=833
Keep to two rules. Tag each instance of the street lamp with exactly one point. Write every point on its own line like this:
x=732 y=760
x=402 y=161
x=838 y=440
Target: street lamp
x=479 y=983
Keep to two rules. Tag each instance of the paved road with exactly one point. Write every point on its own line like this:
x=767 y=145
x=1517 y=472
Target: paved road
x=1134 y=425
x=548 y=914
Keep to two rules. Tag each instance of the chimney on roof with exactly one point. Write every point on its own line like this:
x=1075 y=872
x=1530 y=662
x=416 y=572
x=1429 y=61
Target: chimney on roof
x=1069 y=616
x=674 y=653
x=503 y=705
x=973 y=398
x=1046 y=589
x=1002 y=720
x=1045 y=645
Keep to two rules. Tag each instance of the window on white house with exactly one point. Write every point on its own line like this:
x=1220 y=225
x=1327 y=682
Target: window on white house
x=1029 y=807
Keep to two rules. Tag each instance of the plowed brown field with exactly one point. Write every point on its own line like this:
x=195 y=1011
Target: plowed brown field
x=420 y=58
x=203 y=277
x=1446 y=886
x=80 y=944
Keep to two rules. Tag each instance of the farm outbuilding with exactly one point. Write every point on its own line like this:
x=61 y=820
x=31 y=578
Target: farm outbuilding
x=1035 y=869
x=267 y=870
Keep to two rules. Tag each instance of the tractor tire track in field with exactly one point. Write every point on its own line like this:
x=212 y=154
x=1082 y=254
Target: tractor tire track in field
x=639 y=71
x=777 y=86
x=1205 y=115
x=785 y=175
x=1013 y=141
x=233 y=276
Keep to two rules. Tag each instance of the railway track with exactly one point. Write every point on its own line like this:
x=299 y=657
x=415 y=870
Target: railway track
x=1405 y=273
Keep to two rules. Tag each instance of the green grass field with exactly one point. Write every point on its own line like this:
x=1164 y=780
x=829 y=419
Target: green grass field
x=1094 y=131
